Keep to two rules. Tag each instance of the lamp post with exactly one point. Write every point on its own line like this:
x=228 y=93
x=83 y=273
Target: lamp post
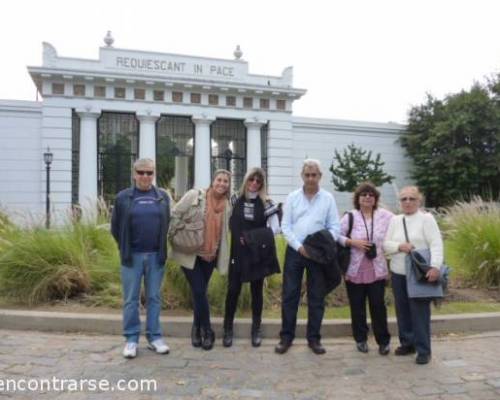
x=47 y=158
x=228 y=156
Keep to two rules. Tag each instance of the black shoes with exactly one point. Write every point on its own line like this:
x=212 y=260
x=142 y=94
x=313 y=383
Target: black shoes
x=195 y=336
x=404 y=350
x=423 y=359
x=384 y=349
x=227 y=340
x=208 y=339
x=282 y=347
x=362 y=347
x=316 y=347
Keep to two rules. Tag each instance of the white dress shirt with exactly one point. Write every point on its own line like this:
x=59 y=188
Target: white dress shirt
x=302 y=216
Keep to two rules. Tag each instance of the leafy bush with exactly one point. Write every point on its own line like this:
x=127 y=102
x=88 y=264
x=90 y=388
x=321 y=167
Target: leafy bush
x=473 y=241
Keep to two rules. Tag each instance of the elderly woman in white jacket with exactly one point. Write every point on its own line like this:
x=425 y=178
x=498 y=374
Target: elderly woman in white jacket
x=413 y=314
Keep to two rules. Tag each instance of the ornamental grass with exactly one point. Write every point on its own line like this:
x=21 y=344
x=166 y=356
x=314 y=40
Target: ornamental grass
x=39 y=265
x=472 y=231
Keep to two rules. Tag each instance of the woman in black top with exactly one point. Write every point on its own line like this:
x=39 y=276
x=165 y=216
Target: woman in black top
x=253 y=224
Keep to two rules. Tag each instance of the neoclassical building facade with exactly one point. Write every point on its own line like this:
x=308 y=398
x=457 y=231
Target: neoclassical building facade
x=191 y=115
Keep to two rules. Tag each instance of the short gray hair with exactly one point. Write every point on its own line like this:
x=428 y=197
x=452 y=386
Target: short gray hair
x=311 y=163
x=143 y=162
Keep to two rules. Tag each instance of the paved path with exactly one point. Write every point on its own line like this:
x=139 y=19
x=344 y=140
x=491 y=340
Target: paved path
x=463 y=367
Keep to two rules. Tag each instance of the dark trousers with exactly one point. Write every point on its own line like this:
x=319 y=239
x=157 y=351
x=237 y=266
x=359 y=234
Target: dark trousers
x=233 y=293
x=414 y=317
x=375 y=293
x=292 y=284
x=198 y=279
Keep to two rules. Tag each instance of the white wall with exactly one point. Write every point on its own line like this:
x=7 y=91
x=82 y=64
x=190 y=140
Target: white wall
x=318 y=138
x=20 y=156
x=27 y=128
x=56 y=134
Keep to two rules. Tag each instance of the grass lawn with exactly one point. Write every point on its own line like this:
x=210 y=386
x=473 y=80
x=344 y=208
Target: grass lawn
x=341 y=312
x=445 y=308
x=344 y=312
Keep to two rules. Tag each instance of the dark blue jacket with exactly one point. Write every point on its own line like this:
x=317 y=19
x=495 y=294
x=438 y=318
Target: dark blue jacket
x=120 y=223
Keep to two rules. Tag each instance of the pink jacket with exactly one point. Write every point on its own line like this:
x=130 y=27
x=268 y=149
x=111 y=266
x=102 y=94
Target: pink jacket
x=381 y=221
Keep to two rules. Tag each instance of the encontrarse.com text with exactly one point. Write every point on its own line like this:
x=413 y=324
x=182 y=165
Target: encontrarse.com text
x=55 y=384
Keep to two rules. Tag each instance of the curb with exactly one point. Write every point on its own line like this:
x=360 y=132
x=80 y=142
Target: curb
x=111 y=324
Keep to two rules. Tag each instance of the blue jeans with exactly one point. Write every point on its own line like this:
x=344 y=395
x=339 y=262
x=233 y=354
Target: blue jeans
x=414 y=317
x=143 y=264
x=292 y=284
x=198 y=279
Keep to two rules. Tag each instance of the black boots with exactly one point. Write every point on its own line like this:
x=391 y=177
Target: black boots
x=196 y=336
x=208 y=339
x=227 y=340
x=256 y=334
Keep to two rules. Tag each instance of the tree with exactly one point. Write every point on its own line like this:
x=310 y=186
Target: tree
x=455 y=144
x=355 y=166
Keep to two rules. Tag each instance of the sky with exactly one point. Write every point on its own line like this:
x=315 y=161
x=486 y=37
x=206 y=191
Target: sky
x=368 y=60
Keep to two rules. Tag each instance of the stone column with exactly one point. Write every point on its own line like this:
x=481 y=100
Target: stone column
x=147 y=135
x=202 y=165
x=254 y=152
x=87 y=182
x=181 y=175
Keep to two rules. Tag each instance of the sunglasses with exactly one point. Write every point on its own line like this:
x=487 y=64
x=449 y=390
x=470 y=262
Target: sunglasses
x=367 y=194
x=141 y=173
x=408 y=199
x=311 y=175
x=255 y=179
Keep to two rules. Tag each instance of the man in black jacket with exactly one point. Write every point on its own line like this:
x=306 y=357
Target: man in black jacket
x=139 y=224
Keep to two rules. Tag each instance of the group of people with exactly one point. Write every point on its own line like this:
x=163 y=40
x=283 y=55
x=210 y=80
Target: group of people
x=236 y=236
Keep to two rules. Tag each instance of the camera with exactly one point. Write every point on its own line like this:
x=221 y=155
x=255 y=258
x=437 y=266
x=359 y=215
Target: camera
x=371 y=253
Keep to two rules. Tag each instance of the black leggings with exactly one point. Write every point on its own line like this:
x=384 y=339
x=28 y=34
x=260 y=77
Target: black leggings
x=233 y=293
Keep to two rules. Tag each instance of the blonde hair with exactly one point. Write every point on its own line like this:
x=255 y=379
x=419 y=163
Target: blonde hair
x=222 y=171
x=255 y=172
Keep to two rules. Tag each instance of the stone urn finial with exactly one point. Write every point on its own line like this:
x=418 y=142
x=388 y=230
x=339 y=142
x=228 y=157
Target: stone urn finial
x=108 y=39
x=238 y=53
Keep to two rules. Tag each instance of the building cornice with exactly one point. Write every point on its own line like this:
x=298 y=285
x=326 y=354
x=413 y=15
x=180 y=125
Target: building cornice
x=203 y=85
x=362 y=127
x=20 y=105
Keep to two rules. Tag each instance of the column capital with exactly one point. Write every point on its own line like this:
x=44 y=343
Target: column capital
x=88 y=112
x=147 y=116
x=254 y=123
x=202 y=119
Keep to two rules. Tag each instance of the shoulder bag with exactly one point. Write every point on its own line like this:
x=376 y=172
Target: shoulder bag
x=344 y=253
x=187 y=234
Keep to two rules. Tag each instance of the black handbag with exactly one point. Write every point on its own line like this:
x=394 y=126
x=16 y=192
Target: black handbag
x=418 y=262
x=344 y=253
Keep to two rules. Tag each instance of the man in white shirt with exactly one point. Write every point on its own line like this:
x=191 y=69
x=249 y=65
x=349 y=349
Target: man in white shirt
x=307 y=210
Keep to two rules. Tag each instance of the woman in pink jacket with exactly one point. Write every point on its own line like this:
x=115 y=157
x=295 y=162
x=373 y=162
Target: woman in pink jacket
x=367 y=272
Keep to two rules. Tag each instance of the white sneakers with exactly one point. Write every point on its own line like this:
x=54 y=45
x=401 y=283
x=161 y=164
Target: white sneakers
x=130 y=350
x=159 y=346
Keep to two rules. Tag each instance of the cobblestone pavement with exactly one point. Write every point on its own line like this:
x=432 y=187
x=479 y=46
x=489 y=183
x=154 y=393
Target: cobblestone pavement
x=463 y=367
